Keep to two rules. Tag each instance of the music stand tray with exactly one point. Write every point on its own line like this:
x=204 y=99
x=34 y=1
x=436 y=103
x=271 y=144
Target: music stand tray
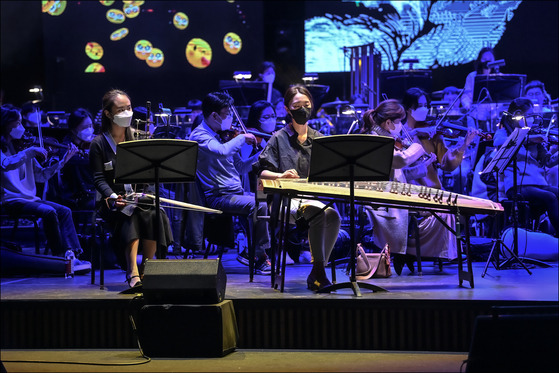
x=155 y=161
x=351 y=158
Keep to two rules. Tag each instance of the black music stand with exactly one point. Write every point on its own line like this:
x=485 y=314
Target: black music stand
x=504 y=156
x=351 y=158
x=155 y=161
x=501 y=87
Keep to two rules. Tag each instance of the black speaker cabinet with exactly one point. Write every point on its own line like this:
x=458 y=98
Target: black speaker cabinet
x=515 y=343
x=188 y=281
x=167 y=330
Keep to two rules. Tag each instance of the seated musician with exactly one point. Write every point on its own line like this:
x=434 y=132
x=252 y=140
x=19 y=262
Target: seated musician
x=535 y=91
x=219 y=171
x=130 y=223
x=416 y=104
x=390 y=225
x=532 y=158
x=20 y=171
x=75 y=187
x=287 y=155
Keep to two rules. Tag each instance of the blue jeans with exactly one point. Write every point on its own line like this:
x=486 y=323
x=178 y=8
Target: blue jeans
x=57 y=223
x=245 y=204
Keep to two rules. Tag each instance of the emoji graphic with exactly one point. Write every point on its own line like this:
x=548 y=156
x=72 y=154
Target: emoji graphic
x=180 y=20
x=94 y=50
x=137 y=3
x=155 y=58
x=115 y=16
x=54 y=8
x=198 y=53
x=119 y=34
x=232 y=43
x=95 y=67
x=107 y=2
x=142 y=49
x=131 y=10
x=46 y=5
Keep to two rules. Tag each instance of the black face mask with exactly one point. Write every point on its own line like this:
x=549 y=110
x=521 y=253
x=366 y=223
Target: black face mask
x=301 y=115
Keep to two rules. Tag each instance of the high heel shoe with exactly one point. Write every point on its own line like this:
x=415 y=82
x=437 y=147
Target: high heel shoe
x=137 y=283
x=315 y=285
x=398 y=260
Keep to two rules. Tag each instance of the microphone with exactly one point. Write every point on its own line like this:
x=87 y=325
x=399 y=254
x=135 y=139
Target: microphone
x=497 y=63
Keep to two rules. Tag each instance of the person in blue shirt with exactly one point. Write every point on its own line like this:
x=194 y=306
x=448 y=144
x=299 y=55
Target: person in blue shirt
x=219 y=171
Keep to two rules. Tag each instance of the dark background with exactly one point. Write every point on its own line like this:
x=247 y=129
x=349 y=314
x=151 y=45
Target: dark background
x=529 y=46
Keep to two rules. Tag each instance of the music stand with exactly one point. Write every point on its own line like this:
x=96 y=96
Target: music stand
x=501 y=87
x=351 y=158
x=244 y=92
x=155 y=161
x=504 y=156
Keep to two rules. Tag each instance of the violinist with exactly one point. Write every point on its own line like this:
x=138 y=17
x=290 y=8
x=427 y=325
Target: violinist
x=20 y=172
x=219 y=171
x=390 y=225
x=532 y=159
x=75 y=187
x=130 y=222
x=416 y=104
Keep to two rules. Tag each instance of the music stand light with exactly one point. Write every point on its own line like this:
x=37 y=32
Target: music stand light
x=351 y=158
x=155 y=161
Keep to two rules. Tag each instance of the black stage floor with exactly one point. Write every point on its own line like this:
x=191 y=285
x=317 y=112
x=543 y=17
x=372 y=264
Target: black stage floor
x=497 y=285
x=417 y=313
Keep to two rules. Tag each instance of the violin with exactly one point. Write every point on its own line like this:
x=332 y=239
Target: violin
x=451 y=131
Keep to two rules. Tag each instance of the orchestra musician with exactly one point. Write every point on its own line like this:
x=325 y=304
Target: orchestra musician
x=20 y=172
x=416 y=104
x=219 y=171
x=130 y=223
x=390 y=225
x=74 y=188
x=532 y=159
x=287 y=155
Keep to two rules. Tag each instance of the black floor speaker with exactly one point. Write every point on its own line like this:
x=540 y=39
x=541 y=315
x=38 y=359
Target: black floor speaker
x=208 y=330
x=188 y=281
x=515 y=342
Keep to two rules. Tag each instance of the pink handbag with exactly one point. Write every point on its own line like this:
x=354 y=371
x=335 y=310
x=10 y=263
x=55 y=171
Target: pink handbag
x=372 y=264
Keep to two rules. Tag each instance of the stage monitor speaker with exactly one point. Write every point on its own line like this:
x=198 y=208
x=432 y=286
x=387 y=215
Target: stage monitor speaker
x=525 y=340
x=188 y=330
x=188 y=281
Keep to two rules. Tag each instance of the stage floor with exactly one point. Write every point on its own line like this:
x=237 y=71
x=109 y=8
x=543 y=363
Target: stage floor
x=499 y=285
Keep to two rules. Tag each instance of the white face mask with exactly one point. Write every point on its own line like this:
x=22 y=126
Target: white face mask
x=420 y=114
x=269 y=78
x=268 y=125
x=123 y=119
x=86 y=134
x=226 y=123
x=17 y=132
x=397 y=129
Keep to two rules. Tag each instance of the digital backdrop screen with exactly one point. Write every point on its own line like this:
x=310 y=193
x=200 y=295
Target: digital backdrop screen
x=160 y=51
x=437 y=33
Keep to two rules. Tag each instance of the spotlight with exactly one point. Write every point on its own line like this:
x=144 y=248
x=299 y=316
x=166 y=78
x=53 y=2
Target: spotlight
x=242 y=75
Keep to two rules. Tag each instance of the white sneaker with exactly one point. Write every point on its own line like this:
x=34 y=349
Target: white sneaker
x=81 y=267
x=305 y=257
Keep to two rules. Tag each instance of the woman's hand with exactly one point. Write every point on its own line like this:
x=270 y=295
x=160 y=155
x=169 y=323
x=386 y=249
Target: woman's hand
x=72 y=150
x=290 y=174
x=36 y=151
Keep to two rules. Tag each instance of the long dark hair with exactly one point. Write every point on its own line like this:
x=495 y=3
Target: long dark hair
x=10 y=114
x=478 y=66
x=388 y=109
x=108 y=103
x=411 y=98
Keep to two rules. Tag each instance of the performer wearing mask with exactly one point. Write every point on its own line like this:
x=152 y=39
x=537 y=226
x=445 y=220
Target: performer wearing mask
x=130 y=223
x=287 y=155
x=416 y=104
x=20 y=171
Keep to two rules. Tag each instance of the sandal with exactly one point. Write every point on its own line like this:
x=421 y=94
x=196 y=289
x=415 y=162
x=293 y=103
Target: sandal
x=129 y=280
